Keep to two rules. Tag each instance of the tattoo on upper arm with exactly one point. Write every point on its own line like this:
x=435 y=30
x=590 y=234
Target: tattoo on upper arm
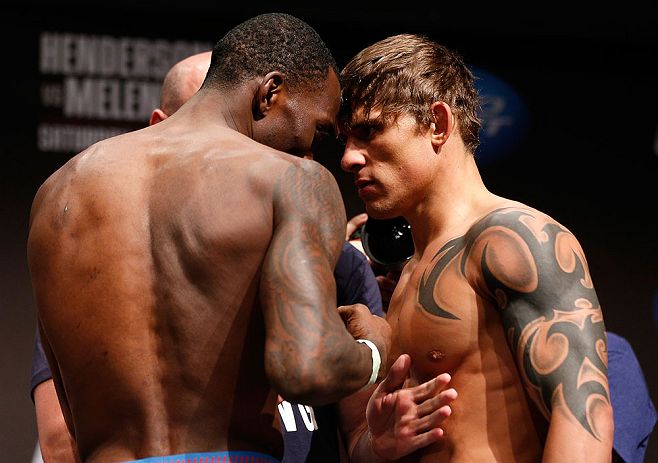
x=310 y=192
x=298 y=272
x=535 y=271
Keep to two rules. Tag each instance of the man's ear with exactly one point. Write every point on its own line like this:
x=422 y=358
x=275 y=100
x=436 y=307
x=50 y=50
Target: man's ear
x=268 y=94
x=443 y=123
x=157 y=115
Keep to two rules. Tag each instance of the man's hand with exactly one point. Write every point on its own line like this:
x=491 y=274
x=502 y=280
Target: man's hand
x=402 y=421
x=363 y=325
x=354 y=223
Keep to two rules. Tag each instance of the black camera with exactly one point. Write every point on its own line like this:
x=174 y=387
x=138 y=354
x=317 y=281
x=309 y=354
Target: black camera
x=388 y=242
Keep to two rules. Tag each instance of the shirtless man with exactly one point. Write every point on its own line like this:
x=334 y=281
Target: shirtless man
x=181 y=82
x=497 y=294
x=183 y=272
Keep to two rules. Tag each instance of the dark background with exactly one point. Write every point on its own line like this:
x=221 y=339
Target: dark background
x=589 y=158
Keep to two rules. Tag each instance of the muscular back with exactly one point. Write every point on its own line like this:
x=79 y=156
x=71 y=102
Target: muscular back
x=146 y=253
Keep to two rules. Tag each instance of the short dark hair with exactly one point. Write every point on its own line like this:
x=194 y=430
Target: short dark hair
x=405 y=74
x=271 y=42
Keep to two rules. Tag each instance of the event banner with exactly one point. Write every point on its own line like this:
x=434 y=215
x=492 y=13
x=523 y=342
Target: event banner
x=93 y=87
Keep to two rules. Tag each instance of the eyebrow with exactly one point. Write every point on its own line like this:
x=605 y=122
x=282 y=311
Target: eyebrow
x=370 y=122
x=357 y=123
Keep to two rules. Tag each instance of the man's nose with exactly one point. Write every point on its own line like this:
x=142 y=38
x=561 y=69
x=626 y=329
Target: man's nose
x=353 y=157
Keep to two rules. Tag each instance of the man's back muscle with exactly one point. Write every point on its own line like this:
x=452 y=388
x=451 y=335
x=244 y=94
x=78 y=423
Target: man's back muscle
x=146 y=266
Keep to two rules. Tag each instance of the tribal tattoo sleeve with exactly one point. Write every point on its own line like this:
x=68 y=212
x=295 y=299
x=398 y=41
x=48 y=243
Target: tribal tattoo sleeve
x=535 y=271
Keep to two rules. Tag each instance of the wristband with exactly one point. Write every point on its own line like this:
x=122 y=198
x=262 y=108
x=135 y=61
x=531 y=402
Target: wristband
x=376 y=362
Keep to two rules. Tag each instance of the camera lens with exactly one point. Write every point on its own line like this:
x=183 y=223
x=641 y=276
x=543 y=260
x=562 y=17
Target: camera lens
x=388 y=242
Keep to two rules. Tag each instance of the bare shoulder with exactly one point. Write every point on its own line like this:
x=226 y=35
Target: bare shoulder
x=511 y=217
x=307 y=204
x=307 y=193
x=56 y=183
x=515 y=249
x=82 y=176
x=309 y=180
x=508 y=209
x=298 y=184
x=535 y=271
x=278 y=164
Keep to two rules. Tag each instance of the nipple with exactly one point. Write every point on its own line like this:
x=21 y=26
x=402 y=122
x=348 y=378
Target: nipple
x=435 y=355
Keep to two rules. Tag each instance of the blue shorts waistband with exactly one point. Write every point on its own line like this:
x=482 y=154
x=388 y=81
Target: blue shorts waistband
x=211 y=457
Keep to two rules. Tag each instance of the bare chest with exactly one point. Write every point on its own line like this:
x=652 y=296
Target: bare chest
x=441 y=318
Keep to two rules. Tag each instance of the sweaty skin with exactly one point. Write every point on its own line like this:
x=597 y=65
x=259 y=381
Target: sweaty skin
x=175 y=281
x=512 y=278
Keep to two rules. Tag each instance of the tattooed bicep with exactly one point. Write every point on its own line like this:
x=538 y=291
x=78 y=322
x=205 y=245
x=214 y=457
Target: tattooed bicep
x=536 y=271
x=297 y=285
x=309 y=225
x=308 y=197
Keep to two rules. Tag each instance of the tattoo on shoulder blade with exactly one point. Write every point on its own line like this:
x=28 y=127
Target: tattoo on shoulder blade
x=535 y=271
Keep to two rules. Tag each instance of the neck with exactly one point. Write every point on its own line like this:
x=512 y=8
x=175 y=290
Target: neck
x=227 y=109
x=454 y=201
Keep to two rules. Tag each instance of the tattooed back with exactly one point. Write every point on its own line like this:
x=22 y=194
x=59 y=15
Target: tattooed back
x=505 y=305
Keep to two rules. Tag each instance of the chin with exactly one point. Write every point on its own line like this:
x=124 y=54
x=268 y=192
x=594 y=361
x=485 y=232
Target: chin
x=379 y=213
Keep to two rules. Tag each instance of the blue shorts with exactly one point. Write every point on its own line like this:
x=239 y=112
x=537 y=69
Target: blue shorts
x=212 y=457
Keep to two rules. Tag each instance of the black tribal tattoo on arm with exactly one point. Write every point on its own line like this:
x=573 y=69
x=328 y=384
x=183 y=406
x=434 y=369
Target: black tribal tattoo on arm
x=535 y=271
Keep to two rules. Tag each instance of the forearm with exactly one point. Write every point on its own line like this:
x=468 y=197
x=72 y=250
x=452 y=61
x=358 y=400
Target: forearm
x=567 y=441
x=339 y=368
x=354 y=428
x=56 y=443
x=355 y=431
x=362 y=452
x=310 y=357
x=364 y=357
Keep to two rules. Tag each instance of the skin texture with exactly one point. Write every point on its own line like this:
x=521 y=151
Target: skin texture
x=158 y=295
x=516 y=256
x=55 y=440
x=498 y=295
x=57 y=445
x=391 y=421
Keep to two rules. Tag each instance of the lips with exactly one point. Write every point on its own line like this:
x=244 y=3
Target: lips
x=364 y=186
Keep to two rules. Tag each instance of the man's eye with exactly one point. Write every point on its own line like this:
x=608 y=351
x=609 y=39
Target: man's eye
x=367 y=131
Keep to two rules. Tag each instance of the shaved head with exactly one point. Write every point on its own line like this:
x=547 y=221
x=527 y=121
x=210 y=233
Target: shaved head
x=182 y=81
